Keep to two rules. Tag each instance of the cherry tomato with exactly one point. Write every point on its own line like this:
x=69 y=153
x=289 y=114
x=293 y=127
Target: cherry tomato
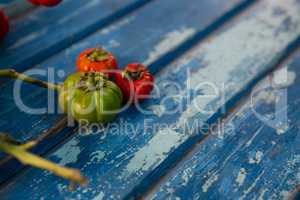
x=96 y=60
x=136 y=82
x=4 y=25
x=90 y=96
x=45 y=2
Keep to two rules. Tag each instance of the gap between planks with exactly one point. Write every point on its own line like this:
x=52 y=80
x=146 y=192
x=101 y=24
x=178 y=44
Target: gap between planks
x=155 y=67
x=226 y=118
x=18 y=8
x=78 y=36
x=200 y=36
x=51 y=133
x=169 y=57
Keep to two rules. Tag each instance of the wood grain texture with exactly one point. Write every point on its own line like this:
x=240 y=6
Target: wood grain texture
x=255 y=156
x=122 y=164
x=4 y=3
x=170 y=36
x=39 y=34
x=26 y=37
x=121 y=38
x=15 y=8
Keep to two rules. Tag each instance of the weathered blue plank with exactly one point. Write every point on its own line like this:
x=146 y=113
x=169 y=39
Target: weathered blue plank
x=126 y=43
x=256 y=156
x=4 y=3
x=126 y=161
x=171 y=33
x=15 y=8
x=45 y=31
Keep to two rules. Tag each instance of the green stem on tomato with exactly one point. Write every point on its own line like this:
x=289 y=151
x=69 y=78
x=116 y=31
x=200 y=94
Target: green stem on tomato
x=19 y=152
x=98 y=55
x=11 y=73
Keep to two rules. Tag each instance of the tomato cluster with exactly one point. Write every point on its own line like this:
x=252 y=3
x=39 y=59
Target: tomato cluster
x=135 y=81
x=97 y=92
x=91 y=94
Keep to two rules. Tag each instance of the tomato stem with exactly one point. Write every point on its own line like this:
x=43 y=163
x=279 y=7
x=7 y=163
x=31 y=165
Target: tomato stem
x=98 y=55
x=20 y=152
x=11 y=73
x=134 y=75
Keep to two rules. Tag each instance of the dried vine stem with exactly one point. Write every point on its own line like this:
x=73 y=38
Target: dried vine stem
x=11 y=73
x=19 y=151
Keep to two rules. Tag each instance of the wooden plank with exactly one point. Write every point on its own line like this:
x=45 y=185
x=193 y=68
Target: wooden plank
x=4 y=3
x=127 y=45
x=15 y=8
x=42 y=32
x=124 y=163
x=257 y=153
x=175 y=33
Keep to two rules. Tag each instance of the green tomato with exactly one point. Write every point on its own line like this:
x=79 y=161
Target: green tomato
x=90 y=96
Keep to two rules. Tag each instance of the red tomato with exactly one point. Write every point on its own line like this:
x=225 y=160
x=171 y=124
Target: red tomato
x=96 y=60
x=45 y=2
x=136 y=82
x=4 y=25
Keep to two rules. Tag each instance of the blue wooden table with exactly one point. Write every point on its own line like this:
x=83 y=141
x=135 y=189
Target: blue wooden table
x=235 y=131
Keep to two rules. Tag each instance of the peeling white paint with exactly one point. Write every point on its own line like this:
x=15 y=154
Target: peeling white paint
x=27 y=39
x=61 y=188
x=213 y=178
x=170 y=190
x=76 y=13
x=100 y=196
x=284 y=194
x=78 y=46
x=154 y=152
x=112 y=44
x=240 y=179
x=158 y=110
x=117 y=25
x=282 y=128
x=187 y=174
x=177 y=98
x=257 y=158
x=262 y=194
x=254 y=136
x=68 y=153
x=283 y=78
x=267 y=96
x=250 y=51
x=97 y=156
x=171 y=40
x=246 y=192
